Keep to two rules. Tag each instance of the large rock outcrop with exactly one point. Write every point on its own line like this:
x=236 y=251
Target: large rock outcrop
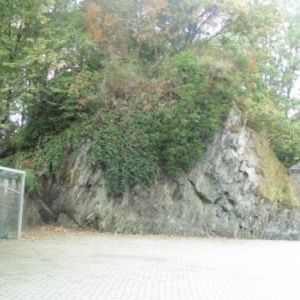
x=235 y=190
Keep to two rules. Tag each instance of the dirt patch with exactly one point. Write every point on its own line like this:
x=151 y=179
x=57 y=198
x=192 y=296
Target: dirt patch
x=49 y=231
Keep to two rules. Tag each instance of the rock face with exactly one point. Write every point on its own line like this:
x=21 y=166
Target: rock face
x=234 y=191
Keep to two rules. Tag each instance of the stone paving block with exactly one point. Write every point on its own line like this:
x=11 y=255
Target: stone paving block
x=97 y=267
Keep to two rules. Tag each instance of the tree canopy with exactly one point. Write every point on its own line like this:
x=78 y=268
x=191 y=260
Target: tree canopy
x=149 y=81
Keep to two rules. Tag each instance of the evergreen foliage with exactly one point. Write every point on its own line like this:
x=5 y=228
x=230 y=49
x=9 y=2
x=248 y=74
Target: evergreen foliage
x=149 y=82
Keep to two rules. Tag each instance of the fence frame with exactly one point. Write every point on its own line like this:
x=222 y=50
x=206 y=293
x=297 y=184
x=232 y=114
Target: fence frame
x=21 y=193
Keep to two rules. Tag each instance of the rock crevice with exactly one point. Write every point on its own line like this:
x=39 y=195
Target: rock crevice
x=233 y=191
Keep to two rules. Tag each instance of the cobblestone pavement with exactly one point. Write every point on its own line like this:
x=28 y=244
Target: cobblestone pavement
x=116 y=267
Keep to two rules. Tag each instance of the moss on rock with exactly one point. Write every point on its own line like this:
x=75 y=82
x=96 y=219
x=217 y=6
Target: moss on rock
x=274 y=183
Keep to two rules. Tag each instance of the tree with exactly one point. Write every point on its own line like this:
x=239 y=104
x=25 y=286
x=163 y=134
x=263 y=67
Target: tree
x=38 y=39
x=278 y=55
x=150 y=29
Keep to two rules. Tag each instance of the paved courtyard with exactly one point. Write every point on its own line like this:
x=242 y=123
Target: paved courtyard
x=101 y=266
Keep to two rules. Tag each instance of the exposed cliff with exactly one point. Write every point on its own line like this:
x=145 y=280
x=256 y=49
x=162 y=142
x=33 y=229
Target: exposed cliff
x=236 y=190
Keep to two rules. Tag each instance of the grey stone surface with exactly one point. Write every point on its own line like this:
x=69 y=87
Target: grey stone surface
x=110 y=267
x=233 y=191
x=295 y=179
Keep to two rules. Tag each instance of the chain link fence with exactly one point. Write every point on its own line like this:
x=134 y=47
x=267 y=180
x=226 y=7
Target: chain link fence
x=11 y=202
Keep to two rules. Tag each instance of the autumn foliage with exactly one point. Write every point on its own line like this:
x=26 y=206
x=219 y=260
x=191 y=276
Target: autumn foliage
x=148 y=81
x=93 y=18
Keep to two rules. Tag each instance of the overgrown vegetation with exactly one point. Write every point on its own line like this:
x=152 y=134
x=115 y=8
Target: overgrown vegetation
x=149 y=82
